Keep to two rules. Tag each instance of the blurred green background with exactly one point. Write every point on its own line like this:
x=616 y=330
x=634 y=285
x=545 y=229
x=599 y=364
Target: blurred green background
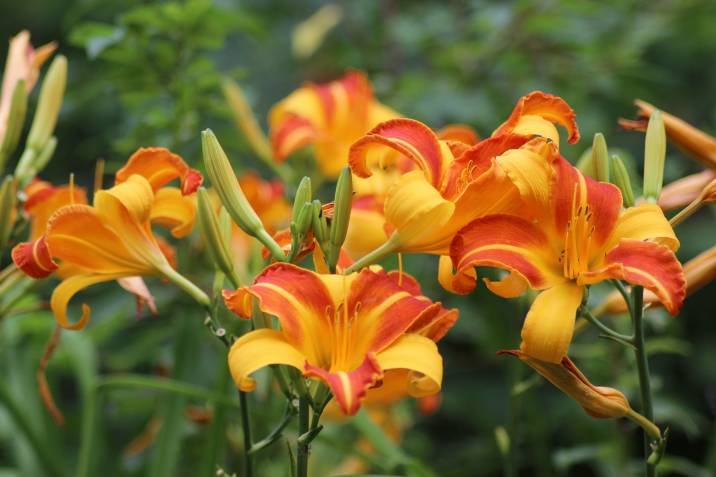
x=148 y=74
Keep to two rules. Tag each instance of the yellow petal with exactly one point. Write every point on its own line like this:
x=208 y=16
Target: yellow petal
x=418 y=212
x=257 y=349
x=420 y=355
x=174 y=210
x=529 y=125
x=67 y=289
x=366 y=230
x=549 y=325
x=642 y=222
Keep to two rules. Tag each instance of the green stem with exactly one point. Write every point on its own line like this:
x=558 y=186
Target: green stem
x=687 y=212
x=273 y=247
x=643 y=368
x=390 y=246
x=276 y=432
x=604 y=328
x=246 y=428
x=47 y=461
x=302 y=447
x=187 y=286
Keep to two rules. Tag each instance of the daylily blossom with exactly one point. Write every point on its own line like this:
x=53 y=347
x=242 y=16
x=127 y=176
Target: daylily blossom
x=453 y=184
x=330 y=116
x=581 y=238
x=23 y=63
x=345 y=330
x=112 y=239
x=43 y=199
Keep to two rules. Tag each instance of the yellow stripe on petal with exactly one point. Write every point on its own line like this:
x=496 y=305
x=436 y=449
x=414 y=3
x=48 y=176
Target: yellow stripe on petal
x=420 y=355
x=643 y=222
x=549 y=325
x=174 y=210
x=258 y=349
x=418 y=212
x=67 y=289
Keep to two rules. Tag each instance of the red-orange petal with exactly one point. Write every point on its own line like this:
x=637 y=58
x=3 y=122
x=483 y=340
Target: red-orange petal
x=293 y=133
x=550 y=107
x=349 y=387
x=159 y=166
x=411 y=138
x=459 y=132
x=34 y=258
x=506 y=242
x=649 y=264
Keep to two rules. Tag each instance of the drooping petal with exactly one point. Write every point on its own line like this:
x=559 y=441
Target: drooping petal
x=410 y=138
x=349 y=387
x=67 y=289
x=34 y=258
x=598 y=402
x=174 y=210
x=137 y=287
x=159 y=166
x=643 y=222
x=458 y=283
x=506 y=242
x=257 y=349
x=549 y=325
x=420 y=355
x=536 y=113
x=649 y=264
x=418 y=213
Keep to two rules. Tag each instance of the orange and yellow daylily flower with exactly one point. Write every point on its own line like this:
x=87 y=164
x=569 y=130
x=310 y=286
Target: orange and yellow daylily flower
x=345 y=330
x=43 y=199
x=330 y=116
x=23 y=63
x=112 y=239
x=581 y=238
x=453 y=184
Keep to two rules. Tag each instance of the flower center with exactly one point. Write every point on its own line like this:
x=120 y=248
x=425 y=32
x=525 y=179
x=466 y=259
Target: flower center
x=577 y=239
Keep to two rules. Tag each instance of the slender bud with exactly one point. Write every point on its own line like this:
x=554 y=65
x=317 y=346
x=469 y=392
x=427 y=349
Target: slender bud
x=245 y=119
x=304 y=219
x=620 y=178
x=654 y=156
x=15 y=121
x=600 y=158
x=48 y=106
x=342 y=204
x=8 y=212
x=211 y=231
x=227 y=186
x=319 y=223
x=303 y=195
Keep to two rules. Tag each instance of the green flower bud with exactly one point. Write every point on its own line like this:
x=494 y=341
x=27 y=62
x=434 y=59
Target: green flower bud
x=227 y=186
x=319 y=223
x=600 y=158
x=620 y=178
x=211 y=230
x=15 y=121
x=8 y=199
x=303 y=195
x=48 y=106
x=304 y=219
x=654 y=156
x=342 y=204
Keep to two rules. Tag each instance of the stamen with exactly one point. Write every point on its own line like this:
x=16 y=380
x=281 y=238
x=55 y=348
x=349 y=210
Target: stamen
x=400 y=269
x=98 y=175
x=72 y=189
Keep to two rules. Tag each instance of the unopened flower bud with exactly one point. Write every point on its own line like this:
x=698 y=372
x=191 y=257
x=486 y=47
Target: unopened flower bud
x=620 y=178
x=8 y=212
x=245 y=119
x=227 y=186
x=303 y=195
x=15 y=121
x=600 y=158
x=304 y=219
x=211 y=231
x=654 y=156
x=319 y=223
x=48 y=106
x=342 y=204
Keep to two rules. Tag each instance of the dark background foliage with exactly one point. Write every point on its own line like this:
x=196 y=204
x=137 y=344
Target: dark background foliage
x=148 y=73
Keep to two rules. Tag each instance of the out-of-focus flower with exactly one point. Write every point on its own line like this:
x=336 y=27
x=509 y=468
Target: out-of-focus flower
x=425 y=207
x=696 y=143
x=345 y=330
x=310 y=33
x=581 y=238
x=685 y=190
x=112 y=239
x=23 y=64
x=329 y=116
x=698 y=272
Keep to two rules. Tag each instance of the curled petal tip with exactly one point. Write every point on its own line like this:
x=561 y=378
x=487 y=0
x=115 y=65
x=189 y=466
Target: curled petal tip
x=34 y=258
